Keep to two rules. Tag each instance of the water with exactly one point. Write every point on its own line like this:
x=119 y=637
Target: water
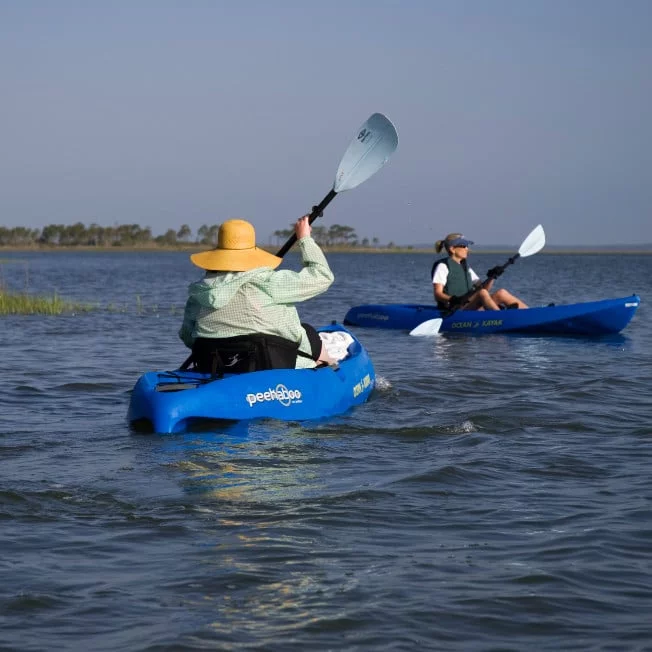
x=494 y=493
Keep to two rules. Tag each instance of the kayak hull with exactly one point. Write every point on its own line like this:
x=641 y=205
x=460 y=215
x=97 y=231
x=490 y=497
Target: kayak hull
x=174 y=401
x=590 y=318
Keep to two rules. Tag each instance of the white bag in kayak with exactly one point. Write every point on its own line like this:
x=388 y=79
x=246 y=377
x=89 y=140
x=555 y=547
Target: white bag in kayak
x=336 y=343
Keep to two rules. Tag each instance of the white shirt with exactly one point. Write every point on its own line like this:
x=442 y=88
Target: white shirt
x=441 y=274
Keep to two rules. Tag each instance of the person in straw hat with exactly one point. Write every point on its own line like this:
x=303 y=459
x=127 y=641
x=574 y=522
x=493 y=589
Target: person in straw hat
x=241 y=316
x=452 y=278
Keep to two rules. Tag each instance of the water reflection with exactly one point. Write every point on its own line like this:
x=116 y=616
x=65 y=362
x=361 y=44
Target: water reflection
x=242 y=462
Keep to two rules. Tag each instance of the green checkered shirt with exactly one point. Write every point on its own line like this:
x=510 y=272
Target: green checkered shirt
x=226 y=304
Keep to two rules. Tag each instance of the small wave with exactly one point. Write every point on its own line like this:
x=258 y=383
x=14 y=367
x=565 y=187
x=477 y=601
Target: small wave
x=88 y=387
x=383 y=384
x=32 y=602
x=28 y=389
x=467 y=426
x=349 y=429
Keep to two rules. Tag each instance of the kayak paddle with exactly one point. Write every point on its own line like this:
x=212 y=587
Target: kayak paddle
x=374 y=143
x=530 y=246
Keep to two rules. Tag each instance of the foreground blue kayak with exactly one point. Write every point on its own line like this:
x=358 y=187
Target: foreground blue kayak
x=172 y=401
x=590 y=318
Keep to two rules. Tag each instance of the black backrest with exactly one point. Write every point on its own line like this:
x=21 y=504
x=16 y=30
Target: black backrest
x=243 y=353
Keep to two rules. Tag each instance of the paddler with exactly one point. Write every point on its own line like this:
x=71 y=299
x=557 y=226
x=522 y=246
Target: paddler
x=453 y=280
x=241 y=316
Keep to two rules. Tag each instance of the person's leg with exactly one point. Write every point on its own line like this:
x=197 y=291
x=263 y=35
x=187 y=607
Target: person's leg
x=481 y=300
x=507 y=298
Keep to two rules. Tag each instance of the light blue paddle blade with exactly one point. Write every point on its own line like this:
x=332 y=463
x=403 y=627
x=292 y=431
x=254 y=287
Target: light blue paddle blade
x=427 y=328
x=533 y=243
x=368 y=152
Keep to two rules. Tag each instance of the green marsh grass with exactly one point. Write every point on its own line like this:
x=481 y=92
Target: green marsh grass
x=12 y=303
x=24 y=304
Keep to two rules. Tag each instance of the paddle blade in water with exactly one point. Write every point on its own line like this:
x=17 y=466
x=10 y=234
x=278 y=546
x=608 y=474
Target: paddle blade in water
x=533 y=243
x=368 y=152
x=427 y=328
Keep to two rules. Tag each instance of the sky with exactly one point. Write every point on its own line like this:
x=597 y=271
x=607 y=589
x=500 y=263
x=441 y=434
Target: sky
x=510 y=113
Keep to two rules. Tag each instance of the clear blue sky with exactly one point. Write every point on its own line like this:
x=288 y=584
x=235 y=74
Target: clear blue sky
x=510 y=113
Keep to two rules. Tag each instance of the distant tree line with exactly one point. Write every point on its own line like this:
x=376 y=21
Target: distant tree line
x=336 y=235
x=133 y=235
x=123 y=235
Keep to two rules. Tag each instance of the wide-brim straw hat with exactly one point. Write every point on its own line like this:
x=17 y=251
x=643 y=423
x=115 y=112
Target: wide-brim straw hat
x=236 y=250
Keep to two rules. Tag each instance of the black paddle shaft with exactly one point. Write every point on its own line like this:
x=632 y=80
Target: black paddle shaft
x=315 y=213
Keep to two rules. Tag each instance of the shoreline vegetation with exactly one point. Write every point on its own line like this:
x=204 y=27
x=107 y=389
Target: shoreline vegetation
x=135 y=236
x=395 y=249
x=21 y=303
x=24 y=303
x=382 y=249
x=336 y=238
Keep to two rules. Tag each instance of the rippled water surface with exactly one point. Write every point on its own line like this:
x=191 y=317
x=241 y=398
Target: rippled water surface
x=494 y=493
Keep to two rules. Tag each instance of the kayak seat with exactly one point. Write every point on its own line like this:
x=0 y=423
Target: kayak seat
x=243 y=354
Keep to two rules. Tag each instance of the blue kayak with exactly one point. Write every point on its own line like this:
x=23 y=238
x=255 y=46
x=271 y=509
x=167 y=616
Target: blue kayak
x=590 y=318
x=173 y=401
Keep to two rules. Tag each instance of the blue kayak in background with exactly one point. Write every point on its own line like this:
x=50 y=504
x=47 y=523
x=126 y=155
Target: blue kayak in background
x=173 y=401
x=590 y=318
